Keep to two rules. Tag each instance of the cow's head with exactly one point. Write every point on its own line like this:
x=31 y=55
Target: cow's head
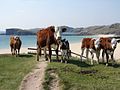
x=59 y=31
x=17 y=38
x=97 y=43
x=64 y=44
x=114 y=43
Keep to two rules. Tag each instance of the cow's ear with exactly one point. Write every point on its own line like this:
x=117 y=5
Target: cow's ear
x=64 y=29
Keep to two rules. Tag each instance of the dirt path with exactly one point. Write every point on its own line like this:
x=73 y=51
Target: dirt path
x=34 y=80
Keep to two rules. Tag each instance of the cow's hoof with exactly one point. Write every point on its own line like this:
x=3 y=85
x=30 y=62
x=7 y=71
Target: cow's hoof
x=106 y=64
x=37 y=59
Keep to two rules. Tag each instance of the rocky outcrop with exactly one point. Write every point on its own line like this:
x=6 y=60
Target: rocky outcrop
x=15 y=31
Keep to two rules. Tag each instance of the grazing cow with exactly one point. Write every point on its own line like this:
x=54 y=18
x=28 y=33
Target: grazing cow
x=46 y=38
x=15 y=44
x=108 y=45
x=65 y=50
x=92 y=46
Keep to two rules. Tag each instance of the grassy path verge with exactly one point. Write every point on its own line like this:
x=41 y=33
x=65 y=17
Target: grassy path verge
x=13 y=69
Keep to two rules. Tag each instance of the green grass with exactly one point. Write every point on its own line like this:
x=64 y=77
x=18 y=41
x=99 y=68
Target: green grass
x=78 y=75
x=13 y=69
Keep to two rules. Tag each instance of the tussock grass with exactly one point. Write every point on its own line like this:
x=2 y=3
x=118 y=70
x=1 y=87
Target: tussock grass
x=78 y=75
x=13 y=69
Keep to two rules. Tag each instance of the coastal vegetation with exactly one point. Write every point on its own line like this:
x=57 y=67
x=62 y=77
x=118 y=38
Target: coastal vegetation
x=75 y=75
x=13 y=69
x=78 y=75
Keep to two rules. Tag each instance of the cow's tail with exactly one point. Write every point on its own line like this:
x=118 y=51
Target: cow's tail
x=38 y=51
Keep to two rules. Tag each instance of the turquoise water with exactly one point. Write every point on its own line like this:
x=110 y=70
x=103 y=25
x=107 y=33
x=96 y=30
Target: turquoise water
x=30 y=40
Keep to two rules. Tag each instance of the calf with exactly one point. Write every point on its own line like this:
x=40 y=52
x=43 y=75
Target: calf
x=91 y=45
x=65 y=50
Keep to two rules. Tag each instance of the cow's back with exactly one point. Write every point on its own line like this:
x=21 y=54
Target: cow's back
x=105 y=43
x=86 y=42
x=44 y=37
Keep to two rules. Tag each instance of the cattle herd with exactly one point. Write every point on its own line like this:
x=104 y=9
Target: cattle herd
x=106 y=44
x=50 y=37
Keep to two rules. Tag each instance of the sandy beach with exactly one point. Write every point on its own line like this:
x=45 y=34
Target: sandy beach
x=8 y=51
x=75 y=47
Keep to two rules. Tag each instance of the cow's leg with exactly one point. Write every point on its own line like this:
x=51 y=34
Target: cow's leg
x=62 y=55
x=18 y=51
x=69 y=53
x=50 y=53
x=56 y=51
x=12 y=51
x=92 y=57
x=66 y=60
x=45 y=54
x=103 y=54
x=107 y=57
x=87 y=52
x=98 y=55
x=38 y=53
x=113 y=60
x=82 y=49
x=66 y=56
x=15 y=52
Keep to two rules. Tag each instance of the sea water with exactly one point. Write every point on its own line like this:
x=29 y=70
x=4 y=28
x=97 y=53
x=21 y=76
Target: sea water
x=30 y=40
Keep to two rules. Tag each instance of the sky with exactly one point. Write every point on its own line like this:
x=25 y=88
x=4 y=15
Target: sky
x=27 y=14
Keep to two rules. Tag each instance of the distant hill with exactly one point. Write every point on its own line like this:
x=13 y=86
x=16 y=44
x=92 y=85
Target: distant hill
x=105 y=29
x=92 y=30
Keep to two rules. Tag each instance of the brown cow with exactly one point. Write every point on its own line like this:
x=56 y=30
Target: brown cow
x=91 y=45
x=48 y=37
x=45 y=38
x=12 y=44
x=108 y=45
x=15 y=44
